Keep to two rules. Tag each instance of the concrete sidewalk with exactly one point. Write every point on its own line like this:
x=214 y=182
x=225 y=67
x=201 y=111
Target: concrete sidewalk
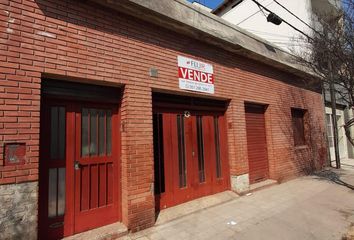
x=313 y=207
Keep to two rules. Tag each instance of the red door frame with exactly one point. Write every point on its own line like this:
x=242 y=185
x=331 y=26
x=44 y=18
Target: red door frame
x=174 y=195
x=72 y=110
x=45 y=223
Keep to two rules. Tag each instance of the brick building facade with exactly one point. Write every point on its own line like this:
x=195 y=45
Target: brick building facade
x=57 y=43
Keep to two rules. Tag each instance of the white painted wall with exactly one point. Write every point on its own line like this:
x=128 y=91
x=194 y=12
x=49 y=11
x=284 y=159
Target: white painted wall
x=248 y=16
x=342 y=141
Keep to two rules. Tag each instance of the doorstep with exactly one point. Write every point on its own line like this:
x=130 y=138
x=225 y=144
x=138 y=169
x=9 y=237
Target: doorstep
x=108 y=232
x=263 y=184
x=193 y=206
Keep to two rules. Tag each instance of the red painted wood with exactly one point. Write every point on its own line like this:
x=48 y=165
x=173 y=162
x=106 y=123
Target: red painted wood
x=256 y=143
x=193 y=169
x=173 y=194
x=93 y=192
x=206 y=188
x=102 y=198
x=225 y=172
x=186 y=194
x=85 y=188
x=69 y=218
x=170 y=157
x=109 y=184
x=86 y=205
x=94 y=186
x=52 y=228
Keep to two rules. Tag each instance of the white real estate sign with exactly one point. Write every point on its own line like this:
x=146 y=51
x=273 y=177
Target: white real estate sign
x=195 y=75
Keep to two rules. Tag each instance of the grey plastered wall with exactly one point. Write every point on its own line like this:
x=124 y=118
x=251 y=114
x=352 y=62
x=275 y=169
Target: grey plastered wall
x=240 y=183
x=18 y=211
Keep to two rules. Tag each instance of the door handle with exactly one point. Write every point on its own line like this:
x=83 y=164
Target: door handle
x=193 y=153
x=77 y=165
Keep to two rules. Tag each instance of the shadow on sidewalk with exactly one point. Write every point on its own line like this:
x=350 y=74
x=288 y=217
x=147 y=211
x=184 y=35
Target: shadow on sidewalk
x=332 y=176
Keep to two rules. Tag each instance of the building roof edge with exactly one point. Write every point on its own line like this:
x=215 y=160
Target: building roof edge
x=183 y=17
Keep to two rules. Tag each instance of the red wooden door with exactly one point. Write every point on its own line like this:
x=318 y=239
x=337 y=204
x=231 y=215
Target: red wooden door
x=96 y=166
x=194 y=161
x=256 y=143
x=52 y=169
x=79 y=170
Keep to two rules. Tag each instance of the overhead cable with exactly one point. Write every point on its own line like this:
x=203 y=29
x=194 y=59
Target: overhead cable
x=286 y=9
x=292 y=26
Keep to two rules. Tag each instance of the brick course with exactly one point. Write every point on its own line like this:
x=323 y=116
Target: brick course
x=84 y=42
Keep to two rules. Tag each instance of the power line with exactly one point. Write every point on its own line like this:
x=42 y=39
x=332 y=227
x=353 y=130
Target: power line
x=295 y=28
x=286 y=9
x=253 y=14
x=252 y=36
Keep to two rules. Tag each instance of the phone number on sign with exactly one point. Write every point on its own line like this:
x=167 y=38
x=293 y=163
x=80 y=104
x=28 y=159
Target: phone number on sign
x=196 y=86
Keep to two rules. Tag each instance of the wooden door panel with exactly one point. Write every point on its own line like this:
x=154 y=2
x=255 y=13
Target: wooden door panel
x=71 y=201
x=190 y=151
x=177 y=142
x=206 y=154
x=52 y=174
x=170 y=154
x=222 y=182
x=181 y=188
x=103 y=192
x=84 y=180
x=189 y=143
x=96 y=182
x=96 y=191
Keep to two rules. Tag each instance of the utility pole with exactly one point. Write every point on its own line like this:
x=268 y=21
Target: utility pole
x=328 y=163
x=334 y=115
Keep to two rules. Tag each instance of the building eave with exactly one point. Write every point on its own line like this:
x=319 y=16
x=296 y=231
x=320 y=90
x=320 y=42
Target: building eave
x=183 y=17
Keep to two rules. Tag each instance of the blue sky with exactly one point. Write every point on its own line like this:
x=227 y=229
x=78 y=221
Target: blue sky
x=209 y=3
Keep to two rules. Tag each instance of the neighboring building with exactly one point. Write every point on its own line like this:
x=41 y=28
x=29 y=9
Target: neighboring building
x=248 y=16
x=197 y=4
x=344 y=114
x=114 y=110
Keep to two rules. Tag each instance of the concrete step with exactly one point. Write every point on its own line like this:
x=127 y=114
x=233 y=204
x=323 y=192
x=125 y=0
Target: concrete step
x=193 y=206
x=108 y=232
x=263 y=184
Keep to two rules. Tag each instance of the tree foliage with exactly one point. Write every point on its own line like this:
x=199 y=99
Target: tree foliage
x=329 y=52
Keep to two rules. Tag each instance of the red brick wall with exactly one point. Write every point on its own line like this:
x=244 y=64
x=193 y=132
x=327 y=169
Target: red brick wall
x=74 y=40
